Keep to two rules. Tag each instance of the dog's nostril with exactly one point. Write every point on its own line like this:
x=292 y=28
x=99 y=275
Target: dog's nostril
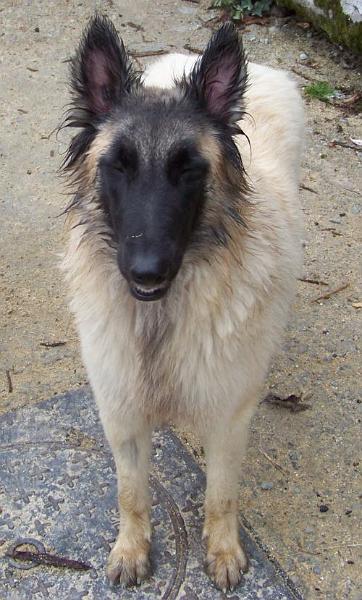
x=149 y=270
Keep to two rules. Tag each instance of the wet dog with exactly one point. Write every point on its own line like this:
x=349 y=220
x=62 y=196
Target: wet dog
x=184 y=246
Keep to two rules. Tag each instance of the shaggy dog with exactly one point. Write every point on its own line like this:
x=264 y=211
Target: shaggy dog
x=184 y=247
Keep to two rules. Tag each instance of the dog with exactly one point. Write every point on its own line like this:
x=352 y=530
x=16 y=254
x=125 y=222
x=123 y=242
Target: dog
x=183 y=254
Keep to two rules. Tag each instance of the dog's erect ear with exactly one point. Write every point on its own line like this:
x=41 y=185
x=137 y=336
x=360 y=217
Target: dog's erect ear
x=101 y=71
x=219 y=78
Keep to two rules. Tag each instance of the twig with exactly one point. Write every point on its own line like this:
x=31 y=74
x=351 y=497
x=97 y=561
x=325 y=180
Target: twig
x=336 y=547
x=255 y=20
x=297 y=72
x=273 y=462
x=345 y=545
x=351 y=100
x=315 y=281
x=350 y=190
x=333 y=230
x=344 y=145
x=47 y=137
x=292 y=402
x=210 y=23
x=331 y=292
x=309 y=189
x=10 y=383
x=136 y=54
x=53 y=344
x=44 y=558
x=192 y=49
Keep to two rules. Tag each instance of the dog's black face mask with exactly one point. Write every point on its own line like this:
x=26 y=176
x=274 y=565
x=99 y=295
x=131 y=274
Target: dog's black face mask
x=153 y=199
x=153 y=175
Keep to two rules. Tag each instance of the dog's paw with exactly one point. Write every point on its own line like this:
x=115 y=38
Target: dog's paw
x=129 y=564
x=226 y=567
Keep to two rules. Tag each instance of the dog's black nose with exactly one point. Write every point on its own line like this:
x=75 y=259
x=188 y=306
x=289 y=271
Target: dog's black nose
x=149 y=269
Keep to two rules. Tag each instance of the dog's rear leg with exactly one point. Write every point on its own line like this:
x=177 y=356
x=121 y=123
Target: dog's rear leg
x=224 y=446
x=129 y=562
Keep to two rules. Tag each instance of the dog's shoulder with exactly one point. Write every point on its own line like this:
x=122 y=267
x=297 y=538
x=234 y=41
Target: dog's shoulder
x=273 y=92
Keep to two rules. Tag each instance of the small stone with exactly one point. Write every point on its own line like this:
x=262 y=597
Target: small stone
x=294 y=458
x=303 y=56
x=187 y=10
x=309 y=530
x=348 y=512
x=266 y=485
x=335 y=221
x=36 y=29
x=323 y=508
x=356 y=209
x=317 y=570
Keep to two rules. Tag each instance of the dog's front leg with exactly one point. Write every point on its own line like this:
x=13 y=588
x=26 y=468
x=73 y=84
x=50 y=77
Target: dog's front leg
x=129 y=561
x=224 y=447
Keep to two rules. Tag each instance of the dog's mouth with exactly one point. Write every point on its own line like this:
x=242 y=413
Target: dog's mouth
x=148 y=294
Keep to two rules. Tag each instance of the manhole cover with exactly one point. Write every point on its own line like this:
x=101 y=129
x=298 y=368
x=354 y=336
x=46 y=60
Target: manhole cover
x=59 y=492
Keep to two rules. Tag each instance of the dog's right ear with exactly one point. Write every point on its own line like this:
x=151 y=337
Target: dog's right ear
x=101 y=72
x=219 y=79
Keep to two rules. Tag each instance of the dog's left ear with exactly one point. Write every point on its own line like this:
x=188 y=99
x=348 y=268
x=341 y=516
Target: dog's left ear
x=101 y=71
x=218 y=81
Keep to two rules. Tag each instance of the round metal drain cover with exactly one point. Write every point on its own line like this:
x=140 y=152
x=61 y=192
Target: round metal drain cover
x=59 y=494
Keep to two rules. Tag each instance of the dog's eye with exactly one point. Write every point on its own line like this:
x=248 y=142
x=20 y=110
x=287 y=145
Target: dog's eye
x=186 y=166
x=190 y=171
x=126 y=160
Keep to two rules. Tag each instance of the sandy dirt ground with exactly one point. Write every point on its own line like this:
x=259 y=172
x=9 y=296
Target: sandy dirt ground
x=301 y=480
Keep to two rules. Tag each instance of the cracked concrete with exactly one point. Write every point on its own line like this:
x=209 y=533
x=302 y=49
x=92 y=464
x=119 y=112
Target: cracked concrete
x=297 y=462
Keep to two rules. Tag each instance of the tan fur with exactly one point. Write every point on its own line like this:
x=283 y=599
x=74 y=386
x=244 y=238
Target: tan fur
x=198 y=358
x=88 y=170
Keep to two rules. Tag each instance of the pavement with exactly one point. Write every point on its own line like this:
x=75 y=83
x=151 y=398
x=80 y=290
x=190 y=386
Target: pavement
x=301 y=488
x=61 y=500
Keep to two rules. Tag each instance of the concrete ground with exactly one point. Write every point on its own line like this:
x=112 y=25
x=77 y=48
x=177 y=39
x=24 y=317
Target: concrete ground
x=301 y=482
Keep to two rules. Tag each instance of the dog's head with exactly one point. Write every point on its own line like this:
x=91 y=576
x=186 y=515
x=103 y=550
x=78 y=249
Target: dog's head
x=151 y=156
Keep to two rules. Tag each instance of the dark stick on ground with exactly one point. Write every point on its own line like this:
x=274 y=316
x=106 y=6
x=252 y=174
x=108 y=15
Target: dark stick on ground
x=315 y=281
x=45 y=558
x=10 y=383
x=309 y=189
x=331 y=293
